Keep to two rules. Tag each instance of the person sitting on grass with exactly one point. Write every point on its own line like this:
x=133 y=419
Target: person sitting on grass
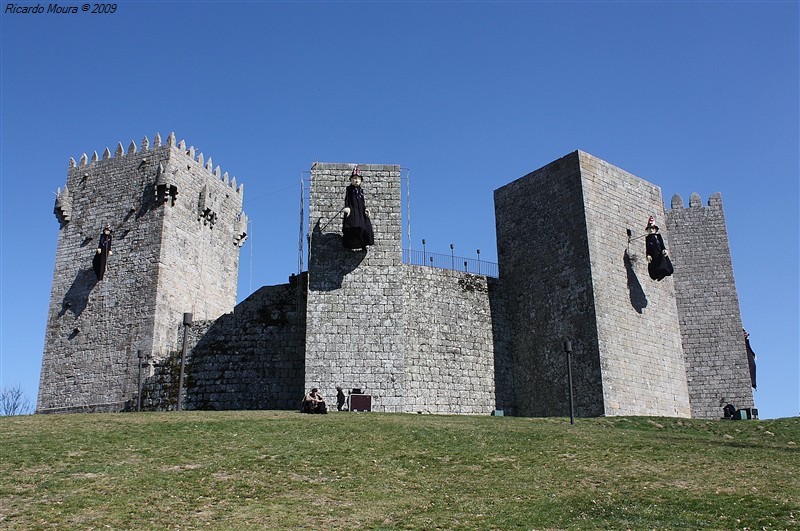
x=314 y=403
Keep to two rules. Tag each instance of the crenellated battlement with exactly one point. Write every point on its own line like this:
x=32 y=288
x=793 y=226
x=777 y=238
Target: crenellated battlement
x=178 y=147
x=160 y=171
x=63 y=206
x=715 y=201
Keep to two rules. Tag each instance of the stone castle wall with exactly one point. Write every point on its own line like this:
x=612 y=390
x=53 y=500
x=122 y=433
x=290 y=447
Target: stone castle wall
x=637 y=318
x=418 y=339
x=543 y=257
x=450 y=344
x=252 y=358
x=94 y=328
x=202 y=232
x=354 y=332
x=165 y=261
x=710 y=319
x=565 y=263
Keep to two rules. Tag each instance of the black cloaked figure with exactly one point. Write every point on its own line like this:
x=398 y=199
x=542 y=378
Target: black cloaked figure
x=729 y=411
x=340 y=398
x=751 y=359
x=356 y=226
x=103 y=252
x=658 y=263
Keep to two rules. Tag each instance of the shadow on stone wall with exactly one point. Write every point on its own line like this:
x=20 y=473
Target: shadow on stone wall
x=637 y=295
x=503 y=368
x=77 y=297
x=253 y=358
x=146 y=202
x=330 y=274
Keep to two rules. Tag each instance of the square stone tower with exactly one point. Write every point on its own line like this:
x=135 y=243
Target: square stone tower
x=710 y=318
x=354 y=322
x=570 y=272
x=177 y=228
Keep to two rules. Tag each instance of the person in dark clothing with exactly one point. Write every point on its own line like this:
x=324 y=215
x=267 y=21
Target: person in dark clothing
x=751 y=359
x=103 y=252
x=658 y=263
x=340 y=398
x=314 y=403
x=356 y=226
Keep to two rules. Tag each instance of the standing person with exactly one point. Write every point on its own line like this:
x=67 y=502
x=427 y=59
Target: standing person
x=103 y=252
x=314 y=403
x=658 y=263
x=356 y=226
x=751 y=359
x=340 y=398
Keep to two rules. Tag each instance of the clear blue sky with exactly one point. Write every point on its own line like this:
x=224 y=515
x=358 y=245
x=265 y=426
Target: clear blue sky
x=691 y=96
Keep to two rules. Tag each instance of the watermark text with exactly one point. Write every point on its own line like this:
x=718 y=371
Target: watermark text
x=59 y=9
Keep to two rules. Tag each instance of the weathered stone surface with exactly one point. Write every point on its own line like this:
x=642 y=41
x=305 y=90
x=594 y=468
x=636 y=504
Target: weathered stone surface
x=252 y=358
x=449 y=342
x=419 y=339
x=354 y=335
x=165 y=262
x=637 y=318
x=569 y=274
x=708 y=305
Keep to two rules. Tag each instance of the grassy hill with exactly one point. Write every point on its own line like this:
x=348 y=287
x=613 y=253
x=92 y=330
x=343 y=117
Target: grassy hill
x=284 y=470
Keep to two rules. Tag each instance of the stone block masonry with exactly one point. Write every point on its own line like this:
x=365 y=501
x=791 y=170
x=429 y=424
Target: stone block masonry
x=568 y=273
x=418 y=339
x=543 y=257
x=571 y=266
x=710 y=319
x=252 y=358
x=639 y=339
x=177 y=225
x=354 y=332
x=451 y=341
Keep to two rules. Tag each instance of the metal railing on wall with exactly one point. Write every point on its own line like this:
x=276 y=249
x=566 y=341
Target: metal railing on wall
x=449 y=261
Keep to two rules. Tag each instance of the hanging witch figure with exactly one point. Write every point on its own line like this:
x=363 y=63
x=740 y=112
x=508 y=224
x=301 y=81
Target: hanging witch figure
x=751 y=358
x=658 y=263
x=103 y=252
x=356 y=225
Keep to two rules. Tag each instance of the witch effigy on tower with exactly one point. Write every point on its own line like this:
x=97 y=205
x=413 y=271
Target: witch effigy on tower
x=103 y=252
x=356 y=226
x=658 y=263
x=751 y=358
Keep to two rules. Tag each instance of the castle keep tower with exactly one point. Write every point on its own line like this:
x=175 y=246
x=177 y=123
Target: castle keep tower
x=708 y=305
x=177 y=227
x=418 y=339
x=354 y=321
x=569 y=272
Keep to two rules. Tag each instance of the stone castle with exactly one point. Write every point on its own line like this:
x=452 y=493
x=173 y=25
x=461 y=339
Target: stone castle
x=417 y=338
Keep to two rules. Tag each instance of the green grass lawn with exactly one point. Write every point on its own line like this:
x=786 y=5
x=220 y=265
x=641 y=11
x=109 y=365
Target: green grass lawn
x=284 y=470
